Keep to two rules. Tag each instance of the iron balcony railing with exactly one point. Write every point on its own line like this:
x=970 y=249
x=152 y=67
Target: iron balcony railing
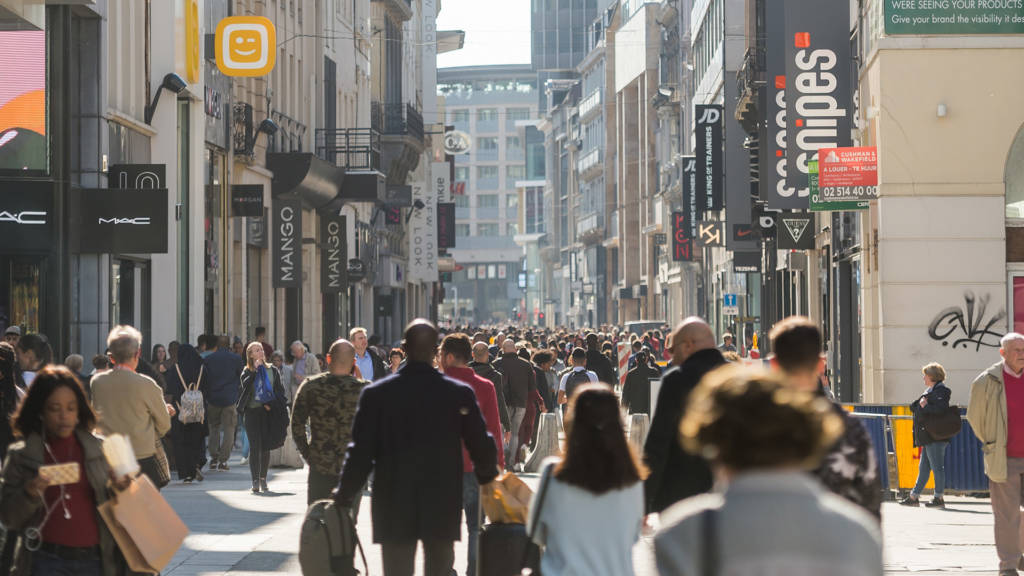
x=390 y=119
x=353 y=148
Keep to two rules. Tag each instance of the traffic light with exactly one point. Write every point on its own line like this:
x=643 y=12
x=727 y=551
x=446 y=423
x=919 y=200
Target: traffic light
x=541 y=316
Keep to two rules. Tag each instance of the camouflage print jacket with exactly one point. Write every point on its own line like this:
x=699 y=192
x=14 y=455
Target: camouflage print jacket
x=328 y=403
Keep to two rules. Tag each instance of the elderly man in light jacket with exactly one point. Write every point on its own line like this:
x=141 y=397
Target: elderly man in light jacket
x=996 y=414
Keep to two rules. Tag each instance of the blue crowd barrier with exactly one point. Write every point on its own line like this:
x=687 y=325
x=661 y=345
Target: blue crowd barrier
x=875 y=425
x=965 y=465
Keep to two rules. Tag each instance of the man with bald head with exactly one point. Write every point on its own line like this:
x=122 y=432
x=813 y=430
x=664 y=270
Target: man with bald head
x=481 y=364
x=409 y=430
x=675 y=474
x=327 y=402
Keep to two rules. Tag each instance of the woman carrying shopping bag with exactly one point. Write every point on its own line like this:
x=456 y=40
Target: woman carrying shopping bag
x=53 y=481
x=260 y=398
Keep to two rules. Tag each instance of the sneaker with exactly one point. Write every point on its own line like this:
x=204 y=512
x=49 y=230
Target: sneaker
x=245 y=460
x=910 y=501
x=936 y=503
x=186 y=481
x=199 y=474
x=223 y=466
x=263 y=485
x=255 y=488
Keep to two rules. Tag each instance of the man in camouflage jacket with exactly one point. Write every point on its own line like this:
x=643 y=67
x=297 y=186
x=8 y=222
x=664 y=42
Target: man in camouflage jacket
x=328 y=403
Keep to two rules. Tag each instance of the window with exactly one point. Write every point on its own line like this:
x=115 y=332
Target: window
x=511 y=229
x=514 y=114
x=487 y=115
x=462 y=173
x=486 y=229
x=512 y=201
x=486 y=172
x=487 y=201
x=513 y=173
x=489 y=143
x=461 y=115
x=462 y=230
x=462 y=201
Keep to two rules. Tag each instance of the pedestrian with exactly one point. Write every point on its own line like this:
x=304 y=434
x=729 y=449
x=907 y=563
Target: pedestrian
x=132 y=404
x=598 y=363
x=188 y=438
x=593 y=503
x=221 y=371
x=676 y=474
x=848 y=468
x=935 y=400
x=260 y=335
x=57 y=526
x=302 y=365
x=727 y=345
x=237 y=347
x=409 y=430
x=482 y=366
x=520 y=383
x=12 y=335
x=172 y=354
x=34 y=352
x=768 y=516
x=456 y=352
x=371 y=366
x=159 y=359
x=327 y=404
x=636 y=392
x=574 y=377
x=75 y=363
x=996 y=414
x=260 y=387
x=536 y=403
x=277 y=359
x=395 y=359
x=10 y=396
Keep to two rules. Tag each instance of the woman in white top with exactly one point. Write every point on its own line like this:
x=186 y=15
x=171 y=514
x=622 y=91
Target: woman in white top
x=593 y=504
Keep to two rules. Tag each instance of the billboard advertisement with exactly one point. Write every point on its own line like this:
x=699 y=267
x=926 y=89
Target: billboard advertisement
x=23 y=144
x=710 y=162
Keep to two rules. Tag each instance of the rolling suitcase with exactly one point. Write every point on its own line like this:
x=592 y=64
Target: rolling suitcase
x=506 y=549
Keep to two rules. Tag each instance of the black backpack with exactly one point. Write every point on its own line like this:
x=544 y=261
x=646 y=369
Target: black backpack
x=576 y=378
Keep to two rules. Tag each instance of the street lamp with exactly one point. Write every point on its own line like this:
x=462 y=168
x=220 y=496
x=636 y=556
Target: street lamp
x=172 y=82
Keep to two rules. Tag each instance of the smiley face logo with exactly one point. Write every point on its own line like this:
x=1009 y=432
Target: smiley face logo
x=246 y=46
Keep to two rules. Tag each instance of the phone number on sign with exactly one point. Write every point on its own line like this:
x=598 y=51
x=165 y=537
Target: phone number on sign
x=848 y=192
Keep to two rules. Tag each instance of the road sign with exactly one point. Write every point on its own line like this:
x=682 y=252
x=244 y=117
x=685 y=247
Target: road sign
x=729 y=305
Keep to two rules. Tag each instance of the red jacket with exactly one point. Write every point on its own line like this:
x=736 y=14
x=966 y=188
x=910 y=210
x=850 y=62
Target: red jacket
x=487 y=398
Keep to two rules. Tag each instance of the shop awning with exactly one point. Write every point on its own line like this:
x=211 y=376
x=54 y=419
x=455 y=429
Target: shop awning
x=306 y=176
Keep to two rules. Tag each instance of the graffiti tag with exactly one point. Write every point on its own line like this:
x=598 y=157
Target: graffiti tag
x=967 y=325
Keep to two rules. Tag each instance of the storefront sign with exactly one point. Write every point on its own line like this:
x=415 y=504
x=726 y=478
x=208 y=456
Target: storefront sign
x=256 y=230
x=746 y=262
x=795 y=231
x=333 y=254
x=440 y=178
x=682 y=242
x=711 y=234
x=819 y=91
x=445 y=225
x=356 y=270
x=709 y=156
x=423 y=235
x=137 y=176
x=108 y=221
x=820 y=205
x=772 y=140
x=690 y=206
x=246 y=46
x=954 y=16
x=392 y=215
x=457 y=142
x=398 y=196
x=26 y=217
x=247 y=200
x=848 y=174
x=287 y=233
x=737 y=173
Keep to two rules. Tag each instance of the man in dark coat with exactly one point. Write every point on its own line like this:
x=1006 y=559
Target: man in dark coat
x=597 y=362
x=675 y=474
x=482 y=366
x=409 y=430
x=636 y=393
x=521 y=385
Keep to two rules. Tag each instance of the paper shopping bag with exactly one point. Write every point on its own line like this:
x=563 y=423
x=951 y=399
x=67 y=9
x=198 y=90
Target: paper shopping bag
x=146 y=528
x=509 y=503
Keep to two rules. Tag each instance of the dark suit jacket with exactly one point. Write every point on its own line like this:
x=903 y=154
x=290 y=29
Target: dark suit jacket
x=409 y=430
x=636 y=393
x=600 y=364
x=675 y=474
x=485 y=370
x=938 y=400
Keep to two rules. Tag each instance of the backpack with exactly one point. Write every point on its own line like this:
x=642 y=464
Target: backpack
x=328 y=541
x=191 y=408
x=576 y=378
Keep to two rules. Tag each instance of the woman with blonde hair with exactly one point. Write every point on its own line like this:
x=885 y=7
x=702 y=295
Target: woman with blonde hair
x=260 y=389
x=934 y=400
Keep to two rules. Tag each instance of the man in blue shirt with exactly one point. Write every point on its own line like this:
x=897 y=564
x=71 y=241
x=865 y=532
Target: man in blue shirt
x=370 y=366
x=221 y=372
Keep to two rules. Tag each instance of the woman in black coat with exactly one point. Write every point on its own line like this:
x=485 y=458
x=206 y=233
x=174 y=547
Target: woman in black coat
x=933 y=454
x=187 y=439
x=262 y=400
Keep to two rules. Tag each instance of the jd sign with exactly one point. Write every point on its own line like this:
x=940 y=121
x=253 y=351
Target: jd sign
x=246 y=46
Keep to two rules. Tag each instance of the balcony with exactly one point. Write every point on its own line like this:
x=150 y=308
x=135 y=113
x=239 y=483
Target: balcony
x=590 y=228
x=590 y=106
x=351 y=148
x=401 y=128
x=589 y=165
x=402 y=9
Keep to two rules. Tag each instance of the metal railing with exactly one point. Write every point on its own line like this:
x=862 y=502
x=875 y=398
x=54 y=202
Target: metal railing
x=396 y=118
x=353 y=148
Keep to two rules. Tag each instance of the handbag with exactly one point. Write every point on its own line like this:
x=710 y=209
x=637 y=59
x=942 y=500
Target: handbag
x=942 y=426
x=163 y=467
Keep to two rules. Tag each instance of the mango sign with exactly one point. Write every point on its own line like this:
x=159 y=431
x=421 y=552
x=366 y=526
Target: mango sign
x=246 y=46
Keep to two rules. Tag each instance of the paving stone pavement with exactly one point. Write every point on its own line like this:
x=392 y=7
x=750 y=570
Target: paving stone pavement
x=239 y=533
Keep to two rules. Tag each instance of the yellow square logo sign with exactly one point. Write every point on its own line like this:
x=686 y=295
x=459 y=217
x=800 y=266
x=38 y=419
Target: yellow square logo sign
x=246 y=46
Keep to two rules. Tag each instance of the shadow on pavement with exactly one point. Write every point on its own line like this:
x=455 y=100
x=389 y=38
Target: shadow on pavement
x=264 y=561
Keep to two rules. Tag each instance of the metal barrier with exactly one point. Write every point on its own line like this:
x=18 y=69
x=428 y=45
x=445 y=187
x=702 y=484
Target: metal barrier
x=877 y=426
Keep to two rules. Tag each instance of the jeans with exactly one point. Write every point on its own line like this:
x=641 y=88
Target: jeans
x=222 y=420
x=46 y=564
x=516 y=415
x=471 y=506
x=257 y=424
x=933 y=459
x=399 y=558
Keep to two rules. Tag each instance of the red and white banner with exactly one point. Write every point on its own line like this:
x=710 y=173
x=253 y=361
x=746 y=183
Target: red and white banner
x=848 y=166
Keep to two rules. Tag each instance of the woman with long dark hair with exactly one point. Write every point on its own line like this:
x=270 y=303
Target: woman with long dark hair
x=159 y=359
x=588 y=511
x=187 y=438
x=55 y=515
x=260 y=389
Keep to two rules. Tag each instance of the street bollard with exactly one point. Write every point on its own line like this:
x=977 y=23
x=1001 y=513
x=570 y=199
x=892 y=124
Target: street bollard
x=639 y=424
x=546 y=445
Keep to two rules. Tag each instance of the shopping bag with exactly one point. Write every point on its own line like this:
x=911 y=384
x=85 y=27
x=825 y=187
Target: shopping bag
x=146 y=528
x=509 y=502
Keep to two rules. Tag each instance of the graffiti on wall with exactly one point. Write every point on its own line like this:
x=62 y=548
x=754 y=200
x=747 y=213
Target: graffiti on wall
x=969 y=325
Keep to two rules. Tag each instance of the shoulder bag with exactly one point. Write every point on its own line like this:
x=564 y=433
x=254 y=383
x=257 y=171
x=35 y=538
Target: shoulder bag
x=943 y=425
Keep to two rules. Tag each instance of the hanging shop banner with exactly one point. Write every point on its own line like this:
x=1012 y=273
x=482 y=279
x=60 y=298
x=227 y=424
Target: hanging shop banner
x=711 y=234
x=137 y=176
x=795 y=231
x=441 y=180
x=820 y=205
x=247 y=200
x=445 y=225
x=848 y=174
x=775 y=191
x=819 y=91
x=106 y=221
x=682 y=240
x=746 y=262
x=709 y=156
x=690 y=206
x=398 y=196
x=287 y=232
x=423 y=235
x=26 y=217
x=333 y=254
x=737 y=173
x=954 y=17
